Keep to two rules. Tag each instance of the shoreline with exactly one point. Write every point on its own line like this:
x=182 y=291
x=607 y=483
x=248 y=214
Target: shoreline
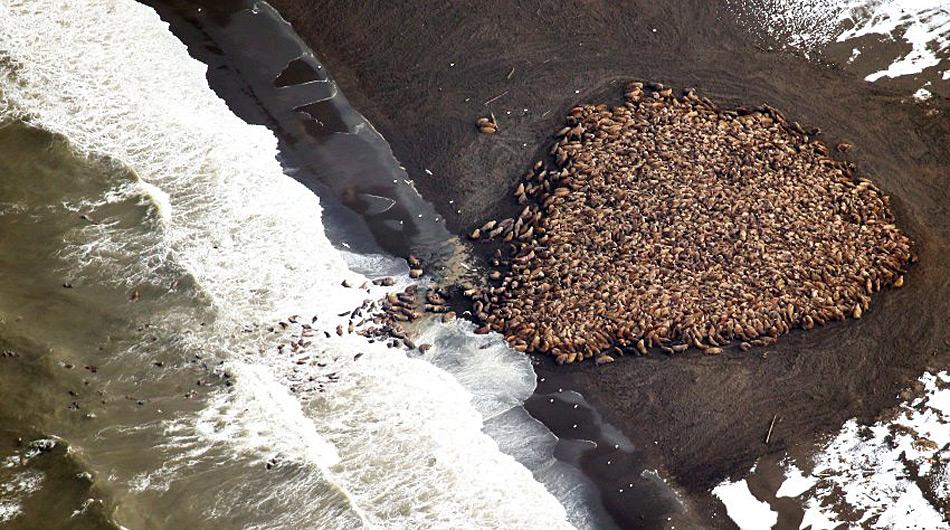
x=680 y=412
x=707 y=415
x=257 y=99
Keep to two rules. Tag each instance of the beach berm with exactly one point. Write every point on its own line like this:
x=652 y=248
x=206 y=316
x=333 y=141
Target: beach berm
x=670 y=223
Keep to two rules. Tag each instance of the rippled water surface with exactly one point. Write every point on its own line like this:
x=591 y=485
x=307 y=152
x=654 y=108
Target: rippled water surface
x=168 y=314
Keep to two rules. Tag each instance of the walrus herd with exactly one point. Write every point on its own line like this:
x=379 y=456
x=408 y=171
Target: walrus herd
x=667 y=222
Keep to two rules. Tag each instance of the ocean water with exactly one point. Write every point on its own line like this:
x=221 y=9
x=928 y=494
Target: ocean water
x=151 y=246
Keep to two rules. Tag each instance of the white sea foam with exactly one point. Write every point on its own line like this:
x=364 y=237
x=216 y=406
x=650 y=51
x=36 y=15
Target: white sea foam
x=810 y=25
x=9 y=510
x=14 y=489
x=249 y=415
x=394 y=442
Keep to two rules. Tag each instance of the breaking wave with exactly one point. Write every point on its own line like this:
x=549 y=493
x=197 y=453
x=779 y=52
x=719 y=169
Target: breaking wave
x=358 y=435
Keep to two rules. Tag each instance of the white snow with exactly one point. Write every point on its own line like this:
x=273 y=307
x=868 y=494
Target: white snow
x=868 y=476
x=922 y=94
x=811 y=25
x=795 y=483
x=743 y=508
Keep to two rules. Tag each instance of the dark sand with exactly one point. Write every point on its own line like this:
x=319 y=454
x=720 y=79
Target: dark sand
x=707 y=415
x=334 y=166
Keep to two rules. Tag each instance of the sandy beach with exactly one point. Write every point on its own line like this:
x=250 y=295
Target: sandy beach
x=423 y=75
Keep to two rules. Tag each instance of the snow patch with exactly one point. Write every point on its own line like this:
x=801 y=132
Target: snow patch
x=796 y=483
x=743 y=508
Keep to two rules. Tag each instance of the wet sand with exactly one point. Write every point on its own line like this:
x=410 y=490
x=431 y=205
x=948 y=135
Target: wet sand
x=268 y=87
x=422 y=75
